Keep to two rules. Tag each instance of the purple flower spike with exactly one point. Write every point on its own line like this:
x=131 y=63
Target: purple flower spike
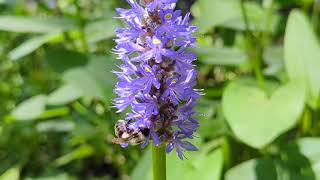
x=157 y=77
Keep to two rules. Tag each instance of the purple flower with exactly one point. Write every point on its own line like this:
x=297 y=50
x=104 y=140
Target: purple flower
x=180 y=145
x=148 y=78
x=146 y=104
x=157 y=77
x=156 y=50
x=179 y=89
x=169 y=16
x=161 y=4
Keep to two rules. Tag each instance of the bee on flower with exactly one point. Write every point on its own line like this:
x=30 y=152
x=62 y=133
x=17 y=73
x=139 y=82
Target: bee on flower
x=157 y=77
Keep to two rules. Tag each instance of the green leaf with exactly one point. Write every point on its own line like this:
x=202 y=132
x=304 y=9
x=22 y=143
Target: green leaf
x=30 y=109
x=211 y=13
x=255 y=169
x=30 y=45
x=210 y=115
x=79 y=153
x=101 y=30
x=95 y=79
x=62 y=176
x=64 y=95
x=287 y=164
x=203 y=164
x=310 y=148
x=221 y=56
x=140 y=172
x=11 y=174
x=60 y=59
x=197 y=166
x=247 y=110
x=302 y=54
x=55 y=126
x=83 y=81
x=34 y=24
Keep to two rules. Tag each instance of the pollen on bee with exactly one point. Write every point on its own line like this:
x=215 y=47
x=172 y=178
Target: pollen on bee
x=168 y=16
x=125 y=135
x=156 y=41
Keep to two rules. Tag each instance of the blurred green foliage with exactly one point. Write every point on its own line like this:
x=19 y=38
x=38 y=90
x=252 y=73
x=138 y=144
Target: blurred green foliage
x=259 y=65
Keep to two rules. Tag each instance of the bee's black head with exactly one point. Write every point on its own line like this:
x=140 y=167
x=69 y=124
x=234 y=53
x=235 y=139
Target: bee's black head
x=145 y=131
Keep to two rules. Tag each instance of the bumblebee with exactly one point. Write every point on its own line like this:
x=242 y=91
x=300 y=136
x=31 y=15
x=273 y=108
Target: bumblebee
x=127 y=135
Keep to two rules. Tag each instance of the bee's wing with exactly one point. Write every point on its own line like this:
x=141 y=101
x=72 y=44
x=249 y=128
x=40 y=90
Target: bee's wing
x=121 y=140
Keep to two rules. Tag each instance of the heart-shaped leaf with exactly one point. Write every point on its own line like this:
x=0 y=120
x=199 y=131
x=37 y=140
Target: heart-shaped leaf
x=257 y=119
x=302 y=54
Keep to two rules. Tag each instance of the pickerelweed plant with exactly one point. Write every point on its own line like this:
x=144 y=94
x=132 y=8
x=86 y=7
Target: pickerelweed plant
x=157 y=77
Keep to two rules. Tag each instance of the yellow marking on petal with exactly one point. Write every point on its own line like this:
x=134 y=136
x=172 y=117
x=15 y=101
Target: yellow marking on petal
x=174 y=81
x=147 y=69
x=156 y=41
x=131 y=1
x=168 y=16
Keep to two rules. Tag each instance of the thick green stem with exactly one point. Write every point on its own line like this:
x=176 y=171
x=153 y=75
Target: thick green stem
x=306 y=122
x=267 y=26
x=81 y=24
x=159 y=162
x=254 y=49
x=315 y=15
x=227 y=152
x=256 y=57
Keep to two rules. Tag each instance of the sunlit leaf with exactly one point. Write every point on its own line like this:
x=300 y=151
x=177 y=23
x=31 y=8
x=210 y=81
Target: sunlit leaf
x=31 y=108
x=78 y=153
x=206 y=167
x=95 y=79
x=34 y=24
x=227 y=13
x=221 y=56
x=30 y=45
x=55 y=126
x=101 y=30
x=310 y=148
x=11 y=174
x=141 y=170
x=288 y=164
x=259 y=127
x=64 y=95
x=257 y=169
x=302 y=54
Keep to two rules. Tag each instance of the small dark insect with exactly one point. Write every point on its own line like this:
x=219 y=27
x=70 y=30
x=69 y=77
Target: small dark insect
x=125 y=134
